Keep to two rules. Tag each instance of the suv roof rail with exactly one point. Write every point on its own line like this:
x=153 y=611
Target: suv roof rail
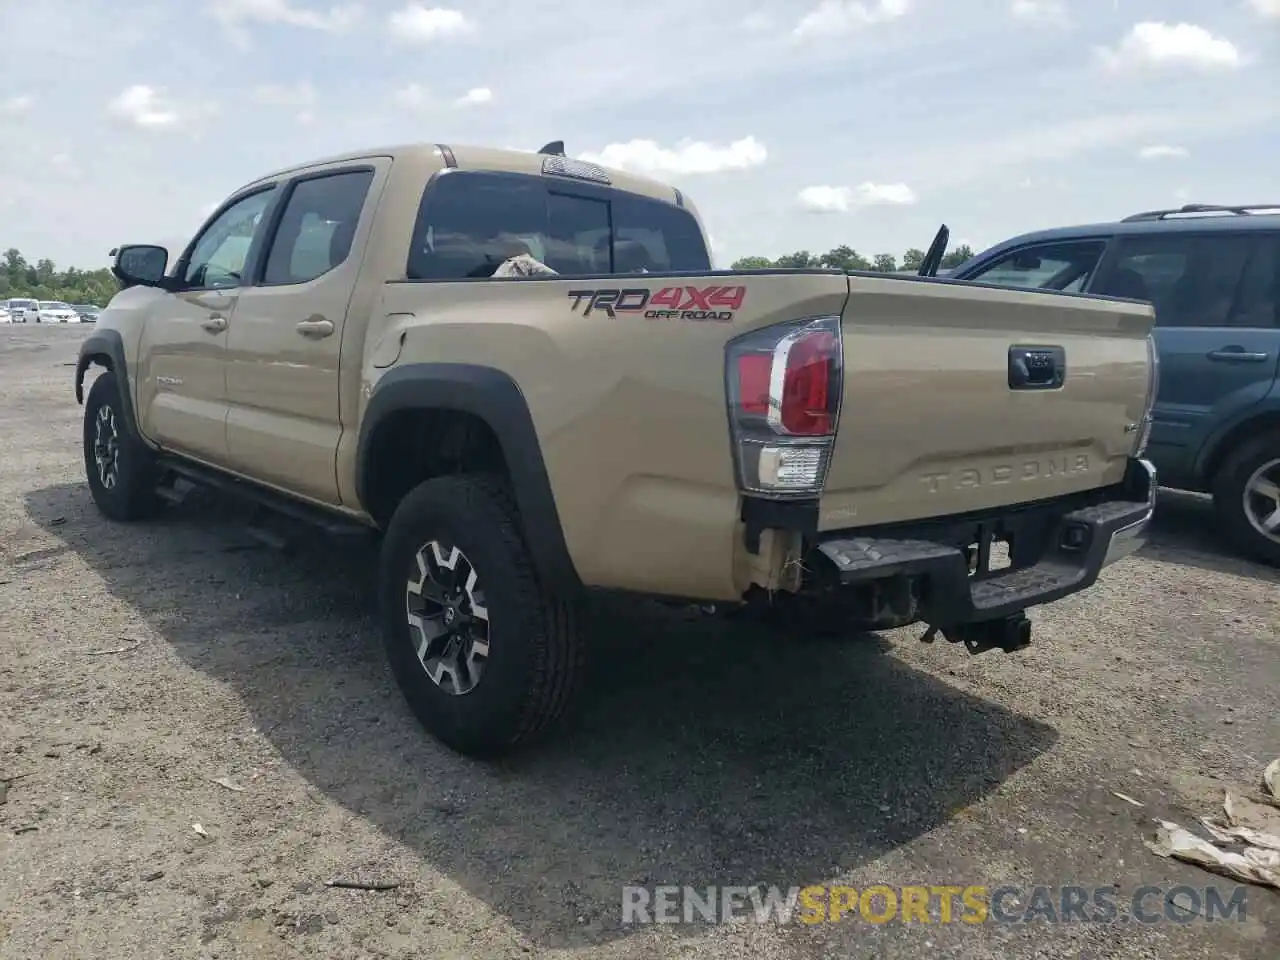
x=1239 y=210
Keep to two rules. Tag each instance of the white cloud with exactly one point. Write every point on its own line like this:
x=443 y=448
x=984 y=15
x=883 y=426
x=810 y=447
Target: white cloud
x=827 y=199
x=1153 y=44
x=235 y=13
x=1270 y=9
x=420 y=24
x=686 y=157
x=758 y=22
x=1161 y=151
x=1040 y=11
x=16 y=105
x=414 y=97
x=62 y=163
x=475 y=97
x=831 y=17
x=148 y=108
x=300 y=97
x=280 y=95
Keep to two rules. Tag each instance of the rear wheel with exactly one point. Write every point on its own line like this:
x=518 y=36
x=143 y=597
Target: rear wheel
x=487 y=661
x=120 y=468
x=1246 y=496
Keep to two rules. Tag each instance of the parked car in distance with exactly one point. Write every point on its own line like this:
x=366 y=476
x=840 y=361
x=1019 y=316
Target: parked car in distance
x=4 y=314
x=1213 y=275
x=87 y=312
x=22 y=310
x=55 y=311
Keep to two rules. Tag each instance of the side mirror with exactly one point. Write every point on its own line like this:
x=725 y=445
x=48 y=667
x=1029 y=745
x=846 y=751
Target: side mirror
x=140 y=264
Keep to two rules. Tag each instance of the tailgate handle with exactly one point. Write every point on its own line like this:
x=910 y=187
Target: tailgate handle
x=1037 y=368
x=1237 y=354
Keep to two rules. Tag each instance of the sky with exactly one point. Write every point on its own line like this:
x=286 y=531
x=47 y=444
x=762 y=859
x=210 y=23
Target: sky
x=793 y=124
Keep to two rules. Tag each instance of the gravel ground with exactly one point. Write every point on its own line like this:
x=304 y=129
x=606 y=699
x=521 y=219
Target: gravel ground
x=144 y=663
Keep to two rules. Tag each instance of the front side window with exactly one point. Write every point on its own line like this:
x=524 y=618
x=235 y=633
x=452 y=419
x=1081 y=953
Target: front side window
x=1191 y=280
x=469 y=223
x=1066 y=266
x=317 y=227
x=219 y=255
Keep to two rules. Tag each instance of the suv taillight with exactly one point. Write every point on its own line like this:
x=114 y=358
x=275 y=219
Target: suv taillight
x=1153 y=387
x=784 y=385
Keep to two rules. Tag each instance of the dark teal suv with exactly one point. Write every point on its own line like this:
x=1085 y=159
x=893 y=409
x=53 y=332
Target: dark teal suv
x=1213 y=275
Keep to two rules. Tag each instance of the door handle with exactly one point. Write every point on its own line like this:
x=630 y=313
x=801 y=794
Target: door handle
x=1235 y=354
x=216 y=323
x=316 y=328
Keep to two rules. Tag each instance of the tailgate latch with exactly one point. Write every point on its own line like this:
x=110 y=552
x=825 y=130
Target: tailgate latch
x=1037 y=368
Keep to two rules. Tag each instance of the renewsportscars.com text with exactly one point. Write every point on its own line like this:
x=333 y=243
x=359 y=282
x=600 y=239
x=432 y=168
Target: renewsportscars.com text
x=942 y=903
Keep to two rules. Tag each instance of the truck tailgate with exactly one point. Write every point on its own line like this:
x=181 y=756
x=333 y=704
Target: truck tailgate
x=933 y=422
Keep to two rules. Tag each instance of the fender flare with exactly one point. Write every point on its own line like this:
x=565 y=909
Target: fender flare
x=109 y=344
x=494 y=398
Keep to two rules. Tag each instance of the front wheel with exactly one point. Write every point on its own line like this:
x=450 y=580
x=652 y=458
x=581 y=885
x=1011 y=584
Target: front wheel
x=120 y=468
x=1246 y=497
x=486 y=659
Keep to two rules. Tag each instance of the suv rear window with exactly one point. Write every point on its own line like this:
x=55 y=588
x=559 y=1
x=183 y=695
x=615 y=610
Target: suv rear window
x=470 y=222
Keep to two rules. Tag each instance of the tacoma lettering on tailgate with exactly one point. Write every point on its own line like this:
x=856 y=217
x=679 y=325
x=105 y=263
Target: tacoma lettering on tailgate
x=1021 y=472
x=713 y=304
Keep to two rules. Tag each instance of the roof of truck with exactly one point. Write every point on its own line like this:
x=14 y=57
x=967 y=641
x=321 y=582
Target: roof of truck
x=467 y=157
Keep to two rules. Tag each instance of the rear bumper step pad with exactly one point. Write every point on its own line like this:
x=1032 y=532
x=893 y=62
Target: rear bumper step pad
x=1104 y=533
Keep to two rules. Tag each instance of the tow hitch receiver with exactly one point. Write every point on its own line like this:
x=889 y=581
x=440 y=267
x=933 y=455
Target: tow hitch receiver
x=1009 y=634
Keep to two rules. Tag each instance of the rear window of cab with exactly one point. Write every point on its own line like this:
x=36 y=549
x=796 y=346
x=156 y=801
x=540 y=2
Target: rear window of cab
x=470 y=222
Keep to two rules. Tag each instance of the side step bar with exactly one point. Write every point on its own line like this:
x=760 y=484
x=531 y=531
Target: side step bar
x=180 y=471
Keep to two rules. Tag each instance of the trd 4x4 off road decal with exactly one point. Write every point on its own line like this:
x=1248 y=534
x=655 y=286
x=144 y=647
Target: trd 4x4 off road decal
x=713 y=304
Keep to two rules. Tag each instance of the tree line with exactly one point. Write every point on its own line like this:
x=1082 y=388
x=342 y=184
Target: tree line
x=846 y=258
x=42 y=280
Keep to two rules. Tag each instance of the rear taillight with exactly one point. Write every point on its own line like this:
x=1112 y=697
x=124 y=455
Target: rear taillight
x=784 y=387
x=1153 y=387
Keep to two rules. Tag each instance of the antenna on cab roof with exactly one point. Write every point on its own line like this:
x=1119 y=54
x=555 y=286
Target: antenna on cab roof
x=554 y=149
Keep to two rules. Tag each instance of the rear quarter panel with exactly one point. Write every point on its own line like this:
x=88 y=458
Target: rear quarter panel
x=630 y=412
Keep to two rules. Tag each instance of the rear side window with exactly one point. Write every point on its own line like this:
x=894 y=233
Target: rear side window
x=469 y=223
x=1192 y=280
x=317 y=227
x=1064 y=265
x=1258 y=299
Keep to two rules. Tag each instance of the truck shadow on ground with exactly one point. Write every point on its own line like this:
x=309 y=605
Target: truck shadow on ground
x=703 y=752
x=1185 y=531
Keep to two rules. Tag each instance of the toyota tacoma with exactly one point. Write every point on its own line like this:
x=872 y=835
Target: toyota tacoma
x=521 y=372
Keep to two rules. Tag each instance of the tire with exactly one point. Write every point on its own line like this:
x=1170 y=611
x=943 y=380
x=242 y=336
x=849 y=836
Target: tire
x=534 y=657
x=129 y=492
x=1230 y=495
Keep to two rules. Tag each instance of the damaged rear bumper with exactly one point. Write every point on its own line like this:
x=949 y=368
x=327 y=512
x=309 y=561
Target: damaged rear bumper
x=1057 y=550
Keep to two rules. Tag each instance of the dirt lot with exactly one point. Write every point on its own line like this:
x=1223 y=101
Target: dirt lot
x=142 y=664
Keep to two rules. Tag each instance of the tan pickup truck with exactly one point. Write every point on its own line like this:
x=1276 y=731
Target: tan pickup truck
x=522 y=370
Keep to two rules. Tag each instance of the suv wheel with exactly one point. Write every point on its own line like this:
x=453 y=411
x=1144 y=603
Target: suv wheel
x=1246 y=496
x=486 y=660
x=120 y=468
